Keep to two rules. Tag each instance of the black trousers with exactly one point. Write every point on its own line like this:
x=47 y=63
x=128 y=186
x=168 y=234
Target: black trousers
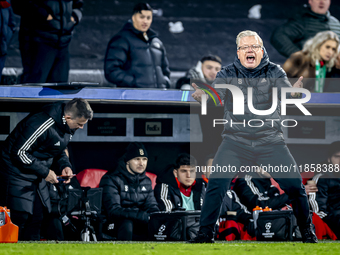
x=29 y=224
x=239 y=156
x=44 y=63
x=130 y=230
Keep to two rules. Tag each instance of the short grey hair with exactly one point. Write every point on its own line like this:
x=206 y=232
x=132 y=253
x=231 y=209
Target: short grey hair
x=246 y=33
x=313 y=45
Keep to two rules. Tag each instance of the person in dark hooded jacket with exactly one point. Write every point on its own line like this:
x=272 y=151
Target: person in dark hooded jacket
x=135 y=57
x=128 y=196
x=249 y=140
x=27 y=156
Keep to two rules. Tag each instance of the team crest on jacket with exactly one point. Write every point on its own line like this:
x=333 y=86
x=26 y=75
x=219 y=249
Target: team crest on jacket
x=126 y=187
x=239 y=81
x=141 y=152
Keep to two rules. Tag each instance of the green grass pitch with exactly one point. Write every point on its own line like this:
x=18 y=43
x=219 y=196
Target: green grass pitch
x=164 y=248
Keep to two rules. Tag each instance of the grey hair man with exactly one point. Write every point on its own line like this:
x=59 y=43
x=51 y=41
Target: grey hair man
x=246 y=145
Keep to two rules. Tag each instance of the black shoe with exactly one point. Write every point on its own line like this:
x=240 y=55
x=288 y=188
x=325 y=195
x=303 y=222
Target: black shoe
x=202 y=238
x=308 y=234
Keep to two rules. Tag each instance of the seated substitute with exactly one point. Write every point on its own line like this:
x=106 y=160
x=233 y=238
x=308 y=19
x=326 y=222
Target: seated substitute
x=205 y=71
x=260 y=190
x=186 y=192
x=326 y=202
x=128 y=197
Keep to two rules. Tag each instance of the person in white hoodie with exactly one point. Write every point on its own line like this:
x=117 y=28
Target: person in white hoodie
x=205 y=71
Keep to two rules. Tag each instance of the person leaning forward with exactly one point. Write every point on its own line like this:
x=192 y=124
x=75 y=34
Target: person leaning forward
x=27 y=156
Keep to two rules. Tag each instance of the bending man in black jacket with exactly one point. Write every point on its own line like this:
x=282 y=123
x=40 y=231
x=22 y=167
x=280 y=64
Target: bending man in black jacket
x=26 y=159
x=135 y=57
x=128 y=196
x=260 y=142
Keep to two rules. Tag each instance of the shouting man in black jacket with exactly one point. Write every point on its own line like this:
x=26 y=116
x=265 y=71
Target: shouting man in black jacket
x=26 y=159
x=256 y=144
x=135 y=57
x=128 y=196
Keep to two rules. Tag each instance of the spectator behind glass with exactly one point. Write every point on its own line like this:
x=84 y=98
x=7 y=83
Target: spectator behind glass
x=135 y=57
x=205 y=71
x=326 y=202
x=7 y=30
x=46 y=29
x=315 y=60
x=291 y=36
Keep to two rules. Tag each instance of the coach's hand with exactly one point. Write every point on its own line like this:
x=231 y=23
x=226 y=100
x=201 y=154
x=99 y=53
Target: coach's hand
x=51 y=177
x=297 y=84
x=67 y=172
x=197 y=95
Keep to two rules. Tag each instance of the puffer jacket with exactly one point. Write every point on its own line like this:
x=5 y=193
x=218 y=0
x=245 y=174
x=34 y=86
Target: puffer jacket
x=262 y=79
x=35 y=26
x=132 y=61
x=28 y=154
x=127 y=196
x=291 y=36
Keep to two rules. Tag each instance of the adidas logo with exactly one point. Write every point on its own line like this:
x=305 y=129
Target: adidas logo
x=263 y=80
x=57 y=143
x=143 y=189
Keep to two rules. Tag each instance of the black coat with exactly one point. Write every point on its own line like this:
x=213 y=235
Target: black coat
x=325 y=202
x=27 y=156
x=168 y=194
x=35 y=26
x=132 y=61
x=127 y=196
x=291 y=36
x=231 y=202
x=259 y=191
x=262 y=79
x=7 y=26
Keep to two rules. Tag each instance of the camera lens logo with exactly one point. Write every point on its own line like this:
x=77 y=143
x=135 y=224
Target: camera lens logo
x=268 y=227
x=161 y=229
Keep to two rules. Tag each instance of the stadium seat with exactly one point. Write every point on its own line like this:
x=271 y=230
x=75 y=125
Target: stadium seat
x=90 y=177
x=152 y=177
x=306 y=176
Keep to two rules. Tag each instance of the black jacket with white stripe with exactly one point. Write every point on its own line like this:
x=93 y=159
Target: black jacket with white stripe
x=232 y=203
x=169 y=197
x=326 y=202
x=259 y=191
x=27 y=156
x=127 y=196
